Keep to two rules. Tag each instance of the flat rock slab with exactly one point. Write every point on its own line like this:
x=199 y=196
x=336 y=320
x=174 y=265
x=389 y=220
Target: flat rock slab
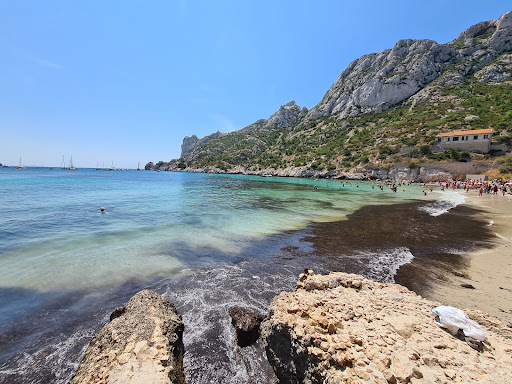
x=343 y=328
x=143 y=343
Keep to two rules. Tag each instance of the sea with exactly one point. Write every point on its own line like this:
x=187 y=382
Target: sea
x=206 y=242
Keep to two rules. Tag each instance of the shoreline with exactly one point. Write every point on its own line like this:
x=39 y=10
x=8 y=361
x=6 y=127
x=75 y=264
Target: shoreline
x=488 y=270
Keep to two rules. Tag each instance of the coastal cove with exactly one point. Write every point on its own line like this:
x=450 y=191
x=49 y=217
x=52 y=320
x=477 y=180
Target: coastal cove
x=206 y=242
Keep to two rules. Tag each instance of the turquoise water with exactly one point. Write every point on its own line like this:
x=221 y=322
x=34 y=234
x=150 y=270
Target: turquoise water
x=205 y=241
x=52 y=235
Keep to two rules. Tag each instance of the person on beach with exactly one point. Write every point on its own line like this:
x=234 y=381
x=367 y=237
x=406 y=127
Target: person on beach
x=480 y=191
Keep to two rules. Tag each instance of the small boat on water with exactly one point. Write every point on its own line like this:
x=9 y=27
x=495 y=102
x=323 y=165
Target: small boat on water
x=71 y=167
x=21 y=166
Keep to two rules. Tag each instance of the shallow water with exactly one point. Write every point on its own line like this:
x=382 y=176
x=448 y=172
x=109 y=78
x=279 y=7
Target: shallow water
x=204 y=241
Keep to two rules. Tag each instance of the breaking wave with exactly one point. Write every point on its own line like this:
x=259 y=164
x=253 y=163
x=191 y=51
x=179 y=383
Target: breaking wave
x=440 y=207
x=383 y=265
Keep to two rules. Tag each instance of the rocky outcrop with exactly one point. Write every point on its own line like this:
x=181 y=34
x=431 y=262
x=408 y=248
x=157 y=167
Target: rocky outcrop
x=191 y=143
x=343 y=328
x=247 y=325
x=286 y=115
x=496 y=72
x=423 y=173
x=143 y=343
x=193 y=148
x=378 y=81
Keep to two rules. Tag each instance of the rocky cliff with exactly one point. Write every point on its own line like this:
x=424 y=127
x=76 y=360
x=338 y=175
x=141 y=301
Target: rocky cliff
x=343 y=328
x=378 y=81
x=381 y=103
x=191 y=143
x=193 y=148
x=143 y=343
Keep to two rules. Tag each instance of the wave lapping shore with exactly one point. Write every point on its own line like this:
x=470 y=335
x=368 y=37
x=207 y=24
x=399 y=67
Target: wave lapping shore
x=335 y=328
x=343 y=328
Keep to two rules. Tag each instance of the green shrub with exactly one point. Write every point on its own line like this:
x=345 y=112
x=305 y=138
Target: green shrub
x=425 y=150
x=506 y=164
x=439 y=156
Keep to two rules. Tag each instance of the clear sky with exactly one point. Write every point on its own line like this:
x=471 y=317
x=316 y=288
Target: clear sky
x=123 y=81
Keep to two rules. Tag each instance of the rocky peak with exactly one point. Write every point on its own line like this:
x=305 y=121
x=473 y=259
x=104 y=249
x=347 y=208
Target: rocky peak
x=191 y=143
x=379 y=81
x=286 y=115
x=486 y=27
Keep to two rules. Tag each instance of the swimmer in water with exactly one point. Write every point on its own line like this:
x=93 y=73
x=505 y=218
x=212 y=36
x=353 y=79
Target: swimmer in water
x=102 y=210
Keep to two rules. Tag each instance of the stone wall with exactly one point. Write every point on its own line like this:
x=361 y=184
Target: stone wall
x=470 y=146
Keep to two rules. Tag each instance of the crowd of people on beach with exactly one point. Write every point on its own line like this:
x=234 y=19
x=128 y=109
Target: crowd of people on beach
x=495 y=187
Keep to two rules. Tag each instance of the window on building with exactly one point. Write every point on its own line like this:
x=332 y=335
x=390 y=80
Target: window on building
x=462 y=138
x=455 y=139
x=467 y=138
x=447 y=139
x=475 y=137
x=486 y=136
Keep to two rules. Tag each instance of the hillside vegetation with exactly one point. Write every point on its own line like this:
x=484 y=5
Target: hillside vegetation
x=381 y=104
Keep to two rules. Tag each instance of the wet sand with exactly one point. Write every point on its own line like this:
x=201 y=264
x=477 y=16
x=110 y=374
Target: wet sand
x=452 y=252
x=488 y=270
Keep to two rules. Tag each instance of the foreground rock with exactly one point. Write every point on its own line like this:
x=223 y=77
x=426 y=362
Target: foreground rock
x=142 y=344
x=247 y=325
x=343 y=328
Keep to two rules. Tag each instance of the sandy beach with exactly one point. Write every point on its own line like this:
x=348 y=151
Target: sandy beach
x=489 y=271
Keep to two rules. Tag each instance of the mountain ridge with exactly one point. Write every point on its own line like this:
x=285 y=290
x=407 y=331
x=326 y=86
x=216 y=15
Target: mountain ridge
x=397 y=85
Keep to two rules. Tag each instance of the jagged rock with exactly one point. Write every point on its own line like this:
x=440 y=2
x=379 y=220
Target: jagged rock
x=343 y=328
x=143 y=344
x=286 y=115
x=191 y=143
x=247 y=325
x=149 y=166
x=378 y=81
x=496 y=72
x=117 y=312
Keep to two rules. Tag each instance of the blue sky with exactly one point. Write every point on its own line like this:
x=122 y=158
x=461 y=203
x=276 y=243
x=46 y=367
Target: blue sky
x=123 y=81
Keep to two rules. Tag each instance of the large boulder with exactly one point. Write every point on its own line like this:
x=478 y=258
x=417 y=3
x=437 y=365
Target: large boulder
x=143 y=343
x=247 y=325
x=343 y=328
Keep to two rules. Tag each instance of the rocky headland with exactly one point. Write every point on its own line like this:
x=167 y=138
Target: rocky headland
x=383 y=111
x=336 y=328
x=343 y=328
x=142 y=343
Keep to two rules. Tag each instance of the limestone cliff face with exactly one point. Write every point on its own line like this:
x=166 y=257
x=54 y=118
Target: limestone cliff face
x=193 y=148
x=343 y=328
x=143 y=343
x=416 y=73
x=378 y=81
x=191 y=143
x=286 y=115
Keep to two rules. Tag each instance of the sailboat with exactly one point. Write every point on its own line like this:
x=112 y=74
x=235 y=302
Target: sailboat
x=21 y=166
x=138 y=167
x=71 y=167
